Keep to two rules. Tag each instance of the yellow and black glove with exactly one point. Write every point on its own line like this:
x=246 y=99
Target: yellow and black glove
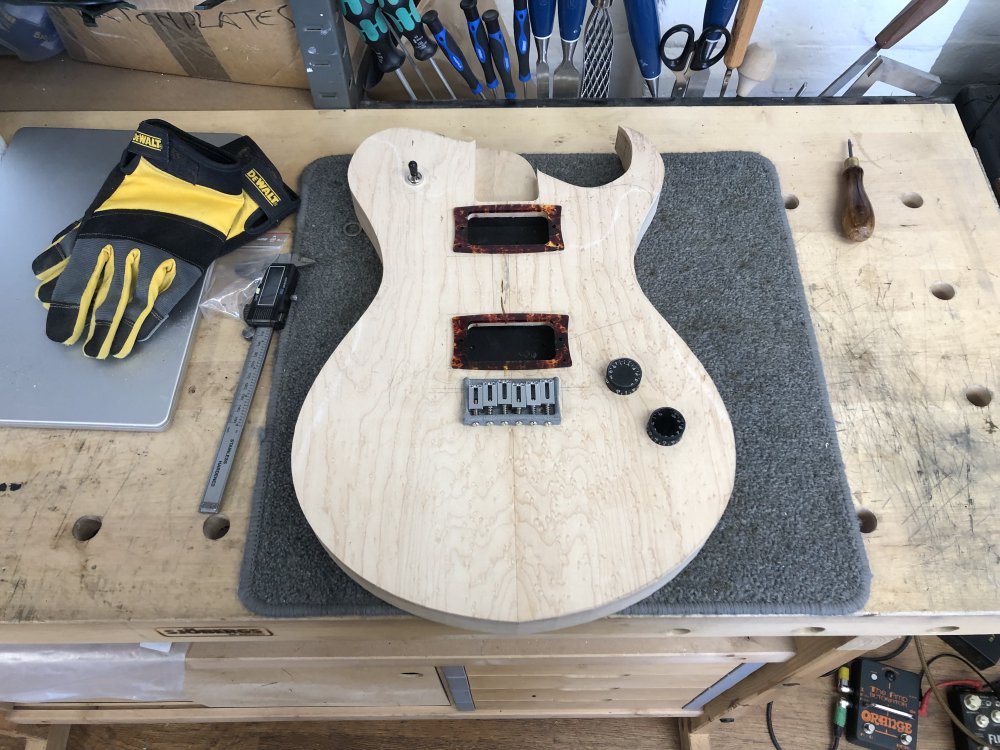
x=170 y=208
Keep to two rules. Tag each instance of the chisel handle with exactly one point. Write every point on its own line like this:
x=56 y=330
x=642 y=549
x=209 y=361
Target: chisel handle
x=644 y=31
x=404 y=16
x=718 y=13
x=522 y=33
x=858 y=217
x=543 y=17
x=451 y=50
x=369 y=20
x=914 y=14
x=498 y=48
x=746 y=19
x=571 y=13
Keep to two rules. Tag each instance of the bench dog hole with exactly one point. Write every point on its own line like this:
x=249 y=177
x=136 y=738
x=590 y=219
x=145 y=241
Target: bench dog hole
x=86 y=528
x=979 y=395
x=942 y=290
x=867 y=521
x=215 y=527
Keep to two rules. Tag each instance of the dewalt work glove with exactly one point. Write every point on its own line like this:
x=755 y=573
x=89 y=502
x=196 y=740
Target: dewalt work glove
x=170 y=208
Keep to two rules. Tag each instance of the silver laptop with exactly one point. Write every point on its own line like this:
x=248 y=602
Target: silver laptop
x=48 y=177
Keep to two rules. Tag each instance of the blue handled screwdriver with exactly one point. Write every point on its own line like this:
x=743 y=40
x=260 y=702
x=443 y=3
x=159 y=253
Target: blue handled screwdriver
x=522 y=31
x=452 y=51
x=644 y=31
x=498 y=48
x=480 y=43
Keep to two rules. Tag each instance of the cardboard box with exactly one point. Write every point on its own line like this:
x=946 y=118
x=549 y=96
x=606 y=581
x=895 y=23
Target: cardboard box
x=249 y=41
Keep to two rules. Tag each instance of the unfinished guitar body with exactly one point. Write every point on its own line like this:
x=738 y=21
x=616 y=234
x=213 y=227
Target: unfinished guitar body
x=465 y=453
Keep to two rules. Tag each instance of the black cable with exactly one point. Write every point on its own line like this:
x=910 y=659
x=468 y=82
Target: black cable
x=770 y=727
x=838 y=731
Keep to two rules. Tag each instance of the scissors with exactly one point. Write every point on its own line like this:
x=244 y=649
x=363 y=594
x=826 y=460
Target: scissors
x=699 y=53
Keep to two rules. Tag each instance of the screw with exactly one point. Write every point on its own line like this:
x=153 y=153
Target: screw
x=869 y=728
x=906 y=739
x=414 y=178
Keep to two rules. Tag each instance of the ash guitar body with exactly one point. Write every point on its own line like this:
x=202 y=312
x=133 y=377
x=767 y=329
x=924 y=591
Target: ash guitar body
x=511 y=438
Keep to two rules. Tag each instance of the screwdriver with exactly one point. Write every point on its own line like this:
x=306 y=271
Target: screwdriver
x=404 y=16
x=522 y=32
x=746 y=18
x=452 y=51
x=480 y=43
x=858 y=219
x=369 y=20
x=498 y=48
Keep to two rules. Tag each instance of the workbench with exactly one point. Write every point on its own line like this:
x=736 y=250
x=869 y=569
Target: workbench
x=908 y=327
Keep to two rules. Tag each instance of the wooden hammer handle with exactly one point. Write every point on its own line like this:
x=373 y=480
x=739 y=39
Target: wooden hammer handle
x=914 y=14
x=746 y=19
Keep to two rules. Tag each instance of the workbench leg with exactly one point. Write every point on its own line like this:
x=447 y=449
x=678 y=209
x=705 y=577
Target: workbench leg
x=692 y=740
x=814 y=656
x=57 y=738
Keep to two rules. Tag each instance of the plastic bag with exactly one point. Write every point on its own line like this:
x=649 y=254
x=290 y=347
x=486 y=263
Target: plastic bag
x=235 y=276
x=119 y=671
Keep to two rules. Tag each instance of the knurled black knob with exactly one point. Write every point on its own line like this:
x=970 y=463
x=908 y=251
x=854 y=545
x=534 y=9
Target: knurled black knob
x=623 y=376
x=665 y=426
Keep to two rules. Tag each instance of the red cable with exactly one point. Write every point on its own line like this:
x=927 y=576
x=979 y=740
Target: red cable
x=925 y=699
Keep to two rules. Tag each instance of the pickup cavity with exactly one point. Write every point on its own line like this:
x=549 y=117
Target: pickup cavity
x=511 y=401
x=510 y=341
x=508 y=228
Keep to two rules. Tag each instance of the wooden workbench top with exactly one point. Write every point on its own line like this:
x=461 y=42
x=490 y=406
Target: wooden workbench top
x=919 y=455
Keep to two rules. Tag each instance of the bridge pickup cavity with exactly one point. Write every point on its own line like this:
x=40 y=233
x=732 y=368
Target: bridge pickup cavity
x=510 y=341
x=510 y=401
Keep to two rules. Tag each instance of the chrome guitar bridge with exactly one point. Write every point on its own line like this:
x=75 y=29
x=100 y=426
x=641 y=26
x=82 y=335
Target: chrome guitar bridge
x=492 y=401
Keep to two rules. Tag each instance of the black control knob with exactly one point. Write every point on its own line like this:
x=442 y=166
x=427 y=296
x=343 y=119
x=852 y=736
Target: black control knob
x=665 y=426
x=623 y=376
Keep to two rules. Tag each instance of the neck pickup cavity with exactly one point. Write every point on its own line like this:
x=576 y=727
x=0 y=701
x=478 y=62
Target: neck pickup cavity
x=514 y=341
x=508 y=228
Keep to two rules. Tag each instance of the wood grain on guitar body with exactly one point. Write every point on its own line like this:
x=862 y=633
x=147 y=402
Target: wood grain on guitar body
x=531 y=515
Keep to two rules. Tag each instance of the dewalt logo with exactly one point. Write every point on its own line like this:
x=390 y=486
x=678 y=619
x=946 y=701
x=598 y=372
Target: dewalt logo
x=149 y=141
x=261 y=184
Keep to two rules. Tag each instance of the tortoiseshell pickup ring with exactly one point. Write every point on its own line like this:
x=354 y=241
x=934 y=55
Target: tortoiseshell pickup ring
x=551 y=212
x=461 y=359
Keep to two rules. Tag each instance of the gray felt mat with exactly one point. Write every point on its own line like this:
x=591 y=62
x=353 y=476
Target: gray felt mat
x=719 y=264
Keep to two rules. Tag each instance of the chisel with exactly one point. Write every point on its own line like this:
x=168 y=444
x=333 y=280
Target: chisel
x=858 y=216
x=480 y=43
x=566 y=79
x=543 y=16
x=498 y=50
x=452 y=51
x=644 y=31
x=522 y=32
x=717 y=13
x=404 y=16
x=746 y=18
x=374 y=29
x=914 y=14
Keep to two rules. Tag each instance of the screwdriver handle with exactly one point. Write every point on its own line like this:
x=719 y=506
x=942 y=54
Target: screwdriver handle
x=522 y=34
x=498 y=48
x=571 y=13
x=543 y=16
x=480 y=40
x=375 y=31
x=644 y=31
x=858 y=219
x=451 y=50
x=746 y=19
x=914 y=14
x=404 y=16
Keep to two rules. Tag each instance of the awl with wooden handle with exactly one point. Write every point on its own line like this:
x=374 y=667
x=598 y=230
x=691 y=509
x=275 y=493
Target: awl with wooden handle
x=914 y=14
x=858 y=217
x=746 y=19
